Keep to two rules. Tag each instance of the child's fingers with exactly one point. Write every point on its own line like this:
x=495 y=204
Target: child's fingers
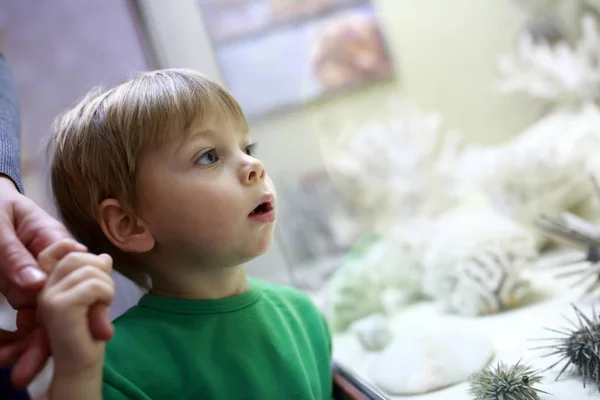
x=79 y=275
x=74 y=261
x=67 y=293
x=91 y=291
x=100 y=325
x=56 y=251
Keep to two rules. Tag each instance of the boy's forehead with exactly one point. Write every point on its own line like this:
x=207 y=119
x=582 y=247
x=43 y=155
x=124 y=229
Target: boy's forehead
x=216 y=128
x=209 y=131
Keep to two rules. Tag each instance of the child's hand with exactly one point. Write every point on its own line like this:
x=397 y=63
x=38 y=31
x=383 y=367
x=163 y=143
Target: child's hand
x=76 y=282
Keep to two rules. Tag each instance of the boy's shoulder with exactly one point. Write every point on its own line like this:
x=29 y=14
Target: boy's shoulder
x=278 y=292
x=273 y=292
x=130 y=328
x=138 y=321
x=293 y=303
x=273 y=288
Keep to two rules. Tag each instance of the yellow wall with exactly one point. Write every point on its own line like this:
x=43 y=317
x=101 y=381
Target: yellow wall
x=446 y=55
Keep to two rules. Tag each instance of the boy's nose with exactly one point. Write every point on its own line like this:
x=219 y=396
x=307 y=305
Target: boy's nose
x=253 y=171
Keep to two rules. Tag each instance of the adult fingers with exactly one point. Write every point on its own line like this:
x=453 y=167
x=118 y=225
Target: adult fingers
x=11 y=346
x=51 y=255
x=17 y=297
x=19 y=272
x=9 y=353
x=35 y=227
x=27 y=320
x=33 y=360
x=8 y=336
x=17 y=266
x=25 y=230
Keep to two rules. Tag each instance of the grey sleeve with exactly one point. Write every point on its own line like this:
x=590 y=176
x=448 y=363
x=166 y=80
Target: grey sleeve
x=10 y=127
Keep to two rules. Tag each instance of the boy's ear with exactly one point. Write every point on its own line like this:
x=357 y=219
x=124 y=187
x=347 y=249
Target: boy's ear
x=126 y=232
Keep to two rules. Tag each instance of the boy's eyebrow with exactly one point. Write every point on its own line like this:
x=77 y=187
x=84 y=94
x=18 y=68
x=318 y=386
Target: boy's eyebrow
x=202 y=132
x=196 y=134
x=208 y=132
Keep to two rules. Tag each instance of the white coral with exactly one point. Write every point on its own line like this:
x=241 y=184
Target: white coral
x=400 y=166
x=560 y=74
x=546 y=169
x=471 y=260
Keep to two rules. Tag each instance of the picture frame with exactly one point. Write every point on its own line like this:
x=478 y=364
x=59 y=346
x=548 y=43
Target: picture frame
x=275 y=55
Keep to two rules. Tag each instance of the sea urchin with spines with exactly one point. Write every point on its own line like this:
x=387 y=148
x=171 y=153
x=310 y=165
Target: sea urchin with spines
x=579 y=348
x=504 y=382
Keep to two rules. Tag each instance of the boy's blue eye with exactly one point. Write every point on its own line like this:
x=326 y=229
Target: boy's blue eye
x=250 y=149
x=208 y=158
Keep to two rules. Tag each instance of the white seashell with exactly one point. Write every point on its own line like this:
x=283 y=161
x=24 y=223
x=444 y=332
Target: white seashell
x=431 y=356
x=372 y=332
x=475 y=263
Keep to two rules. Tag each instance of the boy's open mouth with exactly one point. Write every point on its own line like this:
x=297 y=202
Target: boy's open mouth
x=263 y=208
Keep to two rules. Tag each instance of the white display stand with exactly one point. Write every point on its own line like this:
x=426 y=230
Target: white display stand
x=512 y=334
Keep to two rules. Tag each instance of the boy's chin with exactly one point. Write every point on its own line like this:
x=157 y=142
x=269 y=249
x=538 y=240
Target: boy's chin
x=261 y=248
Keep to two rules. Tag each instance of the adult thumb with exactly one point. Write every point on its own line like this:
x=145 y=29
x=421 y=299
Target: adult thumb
x=18 y=268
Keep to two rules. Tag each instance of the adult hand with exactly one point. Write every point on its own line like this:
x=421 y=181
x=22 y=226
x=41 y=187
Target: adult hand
x=26 y=230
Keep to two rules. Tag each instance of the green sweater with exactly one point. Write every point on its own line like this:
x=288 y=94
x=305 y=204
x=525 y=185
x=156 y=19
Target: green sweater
x=270 y=342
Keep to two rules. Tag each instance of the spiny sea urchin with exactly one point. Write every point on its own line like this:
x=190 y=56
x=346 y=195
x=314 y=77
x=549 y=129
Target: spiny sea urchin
x=578 y=348
x=506 y=382
x=576 y=232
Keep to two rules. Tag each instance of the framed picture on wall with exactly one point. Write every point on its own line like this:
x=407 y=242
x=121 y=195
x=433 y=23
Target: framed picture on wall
x=275 y=54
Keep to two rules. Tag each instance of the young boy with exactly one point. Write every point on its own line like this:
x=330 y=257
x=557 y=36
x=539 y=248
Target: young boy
x=160 y=173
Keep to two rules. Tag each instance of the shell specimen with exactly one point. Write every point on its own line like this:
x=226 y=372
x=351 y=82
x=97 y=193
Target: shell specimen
x=372 y=332
x=475 y=262
x=578 y=348
x=472 y=264
x=504 y=382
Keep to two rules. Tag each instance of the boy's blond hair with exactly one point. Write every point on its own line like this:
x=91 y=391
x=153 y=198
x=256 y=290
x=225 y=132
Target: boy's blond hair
x=97 y=145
